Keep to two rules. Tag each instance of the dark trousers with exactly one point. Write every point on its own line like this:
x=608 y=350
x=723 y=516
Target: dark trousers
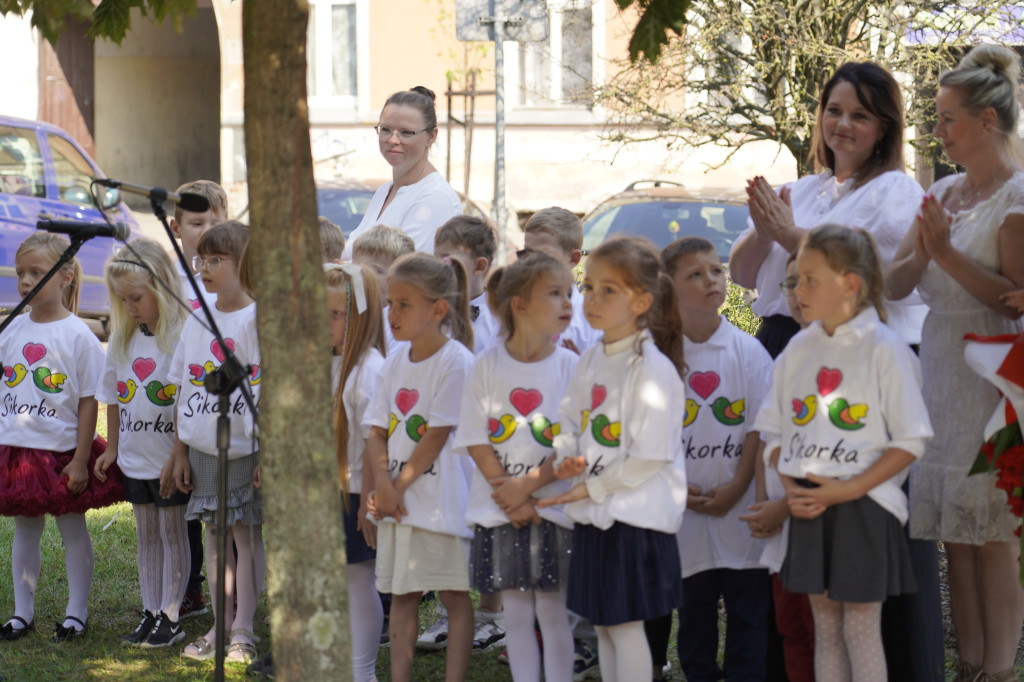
x=195 y=544
x=747 y=594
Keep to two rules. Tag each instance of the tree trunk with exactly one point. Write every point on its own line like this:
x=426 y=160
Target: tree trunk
x=304 y=536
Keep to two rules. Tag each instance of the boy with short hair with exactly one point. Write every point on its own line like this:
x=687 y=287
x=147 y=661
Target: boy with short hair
x=728 y=378
x=472 y=241
x=332 y=239
x=558 y=232
x=189 y=227
x=377 y=249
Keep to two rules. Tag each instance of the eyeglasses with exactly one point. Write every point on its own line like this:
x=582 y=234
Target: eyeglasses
x=385 y=133
x=521 y=253
x=211 y=264
x=788 y=286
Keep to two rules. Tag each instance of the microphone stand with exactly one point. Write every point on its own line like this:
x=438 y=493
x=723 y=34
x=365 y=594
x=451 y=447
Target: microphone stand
x=222 y=383
x=65 y=258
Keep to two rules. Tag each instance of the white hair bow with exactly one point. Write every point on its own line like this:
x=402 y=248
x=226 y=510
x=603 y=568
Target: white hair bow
x=355 y=272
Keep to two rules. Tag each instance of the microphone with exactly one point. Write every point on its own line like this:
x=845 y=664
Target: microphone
x=80 y=230
x=193 y=203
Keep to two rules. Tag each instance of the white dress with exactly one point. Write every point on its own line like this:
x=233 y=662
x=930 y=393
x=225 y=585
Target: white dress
x=945 y=503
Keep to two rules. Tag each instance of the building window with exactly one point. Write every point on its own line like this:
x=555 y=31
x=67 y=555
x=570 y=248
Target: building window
x=560 y=70
x=333 y=49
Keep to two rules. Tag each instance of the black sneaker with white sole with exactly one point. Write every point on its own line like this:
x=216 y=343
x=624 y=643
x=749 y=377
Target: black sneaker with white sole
x=141 y=630
x=165 y=632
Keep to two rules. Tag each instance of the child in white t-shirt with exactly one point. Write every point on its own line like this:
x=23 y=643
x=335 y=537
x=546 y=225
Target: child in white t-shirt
x=195 y=449
x=621 y=435
x=378 y=248
x=727 y=377
x=843 y=420
x=354 y=307
x=558 y=232
x=48 y=445
x=146 y=320
x=420 y=486
x=189 y=226
x=507 y=424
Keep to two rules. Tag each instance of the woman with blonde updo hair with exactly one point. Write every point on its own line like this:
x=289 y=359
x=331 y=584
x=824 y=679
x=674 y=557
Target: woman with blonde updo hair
x=964 y=253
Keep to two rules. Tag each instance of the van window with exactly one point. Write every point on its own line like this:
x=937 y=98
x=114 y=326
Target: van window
x=74 y=174
x=21 y=166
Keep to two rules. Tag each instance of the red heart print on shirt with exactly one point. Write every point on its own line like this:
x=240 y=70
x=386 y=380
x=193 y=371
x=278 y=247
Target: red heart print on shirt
x=33 y=352
x=597 y=395
x=704 y=383
x=218 y=352
x=829 y=380
x=525 y=400
x=406 y=399
x=143 y=367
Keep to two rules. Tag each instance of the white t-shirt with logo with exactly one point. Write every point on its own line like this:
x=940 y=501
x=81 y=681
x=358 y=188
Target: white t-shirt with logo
x=727 y=379
x=357 y=396
x=512 y=406
x=411 y=397
x=136 y=387
x=837 y=403
x=624 y=403
x=47 y=369
x=199 y=353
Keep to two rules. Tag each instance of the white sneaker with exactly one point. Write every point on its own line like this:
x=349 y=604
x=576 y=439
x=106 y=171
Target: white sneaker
x=436 y=636
x=488 y=630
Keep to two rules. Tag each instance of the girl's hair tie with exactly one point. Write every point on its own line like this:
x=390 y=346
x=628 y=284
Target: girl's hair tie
x=130 y=262
x=355 y=272
x=447 y=260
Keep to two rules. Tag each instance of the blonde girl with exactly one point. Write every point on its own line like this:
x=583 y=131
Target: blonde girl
x=507 y=424
x=621 y=437
x=48 y=444
x=420 y=487
x=146 y=320
x=357 y=340
x=843 y=420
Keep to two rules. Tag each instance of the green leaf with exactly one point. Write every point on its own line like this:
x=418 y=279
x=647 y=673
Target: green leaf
x=657 y=19
x=981 y=465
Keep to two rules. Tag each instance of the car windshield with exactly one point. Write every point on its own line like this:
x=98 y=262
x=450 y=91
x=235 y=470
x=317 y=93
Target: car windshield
x=343 y=207
x=665 y=221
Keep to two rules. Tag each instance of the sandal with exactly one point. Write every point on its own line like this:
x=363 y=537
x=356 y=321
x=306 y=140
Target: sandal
x=204 y=650
x=68 y=634
x=243 y=651
x=9 y=633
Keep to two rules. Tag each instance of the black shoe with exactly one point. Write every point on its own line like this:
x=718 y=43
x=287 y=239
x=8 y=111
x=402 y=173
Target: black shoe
x=262 y=667
x=192 y=605
x=68 y=634
x=141 y=630
x=164 y=633
x=9 y=633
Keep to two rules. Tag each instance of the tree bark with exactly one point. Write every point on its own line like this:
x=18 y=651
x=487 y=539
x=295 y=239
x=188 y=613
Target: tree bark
x=304 y=535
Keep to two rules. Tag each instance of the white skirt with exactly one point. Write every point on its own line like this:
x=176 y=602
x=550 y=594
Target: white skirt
x=411 y=559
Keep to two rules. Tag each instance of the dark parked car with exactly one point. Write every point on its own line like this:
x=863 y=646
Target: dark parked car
x=45 y=173
x=664 y=211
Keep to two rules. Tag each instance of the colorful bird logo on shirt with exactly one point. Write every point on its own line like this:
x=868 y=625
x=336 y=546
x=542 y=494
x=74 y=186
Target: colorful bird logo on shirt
x=415 y=425
x=13 y=375
x=126 y=391
x=841 y=413
x=501 y=429
x=604 y=431
x=48 y=382
x=199 y=372
x=160 y=394
x=725 y=411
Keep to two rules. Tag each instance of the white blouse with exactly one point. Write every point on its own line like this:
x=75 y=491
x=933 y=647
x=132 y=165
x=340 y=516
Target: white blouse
x=884 y=206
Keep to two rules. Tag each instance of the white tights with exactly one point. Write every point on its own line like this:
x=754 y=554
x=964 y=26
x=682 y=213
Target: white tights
x=521 y=607
x=848 y=641
x=164 y=557
x=623 y=652
x=249 y=584
x=26 y=562
x=367 y=618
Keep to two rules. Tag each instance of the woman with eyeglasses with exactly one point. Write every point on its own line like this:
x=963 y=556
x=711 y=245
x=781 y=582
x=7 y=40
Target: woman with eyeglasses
x=858 y=148
x=418 y=200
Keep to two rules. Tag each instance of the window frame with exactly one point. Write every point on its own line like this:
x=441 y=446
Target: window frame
x=321 y=58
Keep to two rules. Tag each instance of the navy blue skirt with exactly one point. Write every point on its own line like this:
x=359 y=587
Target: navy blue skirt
x=356 y=549
x=623 y=574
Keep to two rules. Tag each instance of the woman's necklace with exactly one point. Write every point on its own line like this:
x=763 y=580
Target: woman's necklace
x=968 y=199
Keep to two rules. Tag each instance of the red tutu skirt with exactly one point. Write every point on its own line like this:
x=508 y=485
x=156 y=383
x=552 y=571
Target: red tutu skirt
x=31 y=483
